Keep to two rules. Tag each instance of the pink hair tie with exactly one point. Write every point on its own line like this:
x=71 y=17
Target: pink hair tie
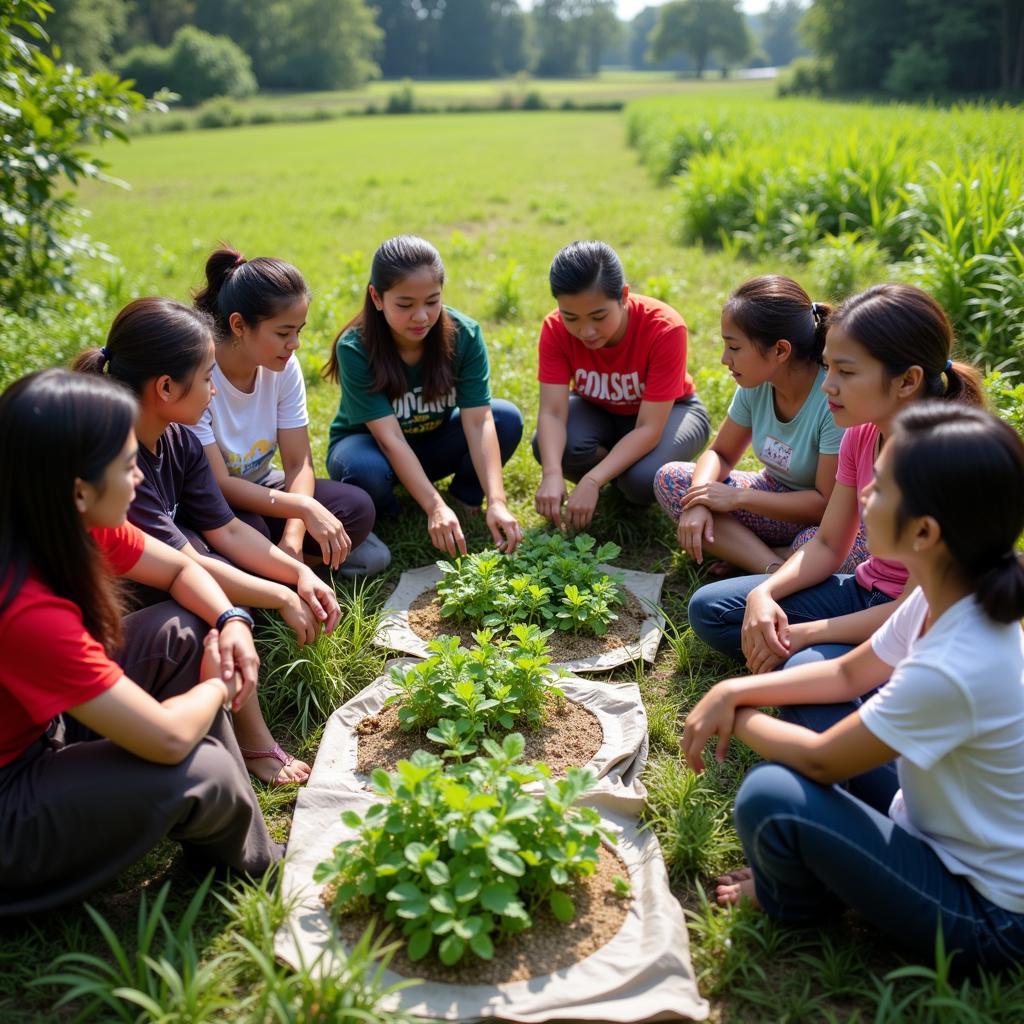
x=239 y=260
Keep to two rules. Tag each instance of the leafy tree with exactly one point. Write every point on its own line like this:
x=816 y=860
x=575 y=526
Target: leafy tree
x=156 y=21
x=50 y=114
x=700 y=28
x=920 y=46
x=780 y=31
x=86 y=30
x=640 y=30
x=410 y=30
x=299 y=44
x=571 y=35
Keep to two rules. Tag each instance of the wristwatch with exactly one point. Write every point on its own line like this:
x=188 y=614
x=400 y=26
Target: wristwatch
x=233 y=613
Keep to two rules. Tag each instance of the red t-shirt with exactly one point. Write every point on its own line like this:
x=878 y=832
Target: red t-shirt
x=648 y=364
x=49 y=661
x=857 y=469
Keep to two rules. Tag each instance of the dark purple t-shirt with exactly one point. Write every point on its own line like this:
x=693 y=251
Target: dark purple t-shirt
x=178 y=488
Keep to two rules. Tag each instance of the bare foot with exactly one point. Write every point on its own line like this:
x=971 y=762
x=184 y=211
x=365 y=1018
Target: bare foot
x=736 y=886
x=276 y=768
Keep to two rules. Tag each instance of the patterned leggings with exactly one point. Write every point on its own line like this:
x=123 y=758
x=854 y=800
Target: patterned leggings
x=673 y=480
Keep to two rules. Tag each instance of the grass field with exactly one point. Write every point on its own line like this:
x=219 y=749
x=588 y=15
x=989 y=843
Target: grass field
x=498 y=195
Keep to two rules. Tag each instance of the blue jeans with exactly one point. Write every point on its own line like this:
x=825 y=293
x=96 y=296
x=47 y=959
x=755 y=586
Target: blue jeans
x=716 y=612
x=816 y=850
x=357 y=459
x=716 y=616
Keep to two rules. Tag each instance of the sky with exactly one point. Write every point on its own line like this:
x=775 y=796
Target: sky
x=630 y=8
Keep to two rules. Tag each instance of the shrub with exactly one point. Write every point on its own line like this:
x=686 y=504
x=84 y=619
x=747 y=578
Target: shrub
x=463 y=856
x=806 y=76
x=463 y=695
x=402 y=100
x=845 y=263
x=50 y=116
x=196 y=65
x=549 y=580
x=219 y=113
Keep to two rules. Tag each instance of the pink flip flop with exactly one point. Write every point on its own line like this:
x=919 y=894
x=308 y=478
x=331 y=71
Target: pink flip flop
x=279 y=755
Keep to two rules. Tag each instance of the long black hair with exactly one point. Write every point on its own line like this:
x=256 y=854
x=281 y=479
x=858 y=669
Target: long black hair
x=151 y=337
x=56 y=427
x=948 y=457
x=256 y=289
x=394 y=261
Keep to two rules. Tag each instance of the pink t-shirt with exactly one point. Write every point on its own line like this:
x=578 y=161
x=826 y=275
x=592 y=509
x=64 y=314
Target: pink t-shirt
x=857 y=469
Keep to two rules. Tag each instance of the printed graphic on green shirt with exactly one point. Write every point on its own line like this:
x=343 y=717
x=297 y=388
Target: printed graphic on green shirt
x=416 y=415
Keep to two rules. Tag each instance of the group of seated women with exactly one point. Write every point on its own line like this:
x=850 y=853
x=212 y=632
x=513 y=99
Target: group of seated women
x=869 y=553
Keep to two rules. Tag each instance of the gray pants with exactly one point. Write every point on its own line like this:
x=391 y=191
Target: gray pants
x=76 y=809
x=590 y=428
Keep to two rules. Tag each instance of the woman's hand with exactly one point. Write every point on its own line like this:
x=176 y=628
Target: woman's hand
x=320 y=599
x=503 y=525
x=712 y=715
x=716 y=496
x=445 y=531
x=695 y=527
x=327 y=532
x=299 y=618
x=212 y=667
x=765 y=635
x=550 y=498
x=237 y=654
x=579 y=509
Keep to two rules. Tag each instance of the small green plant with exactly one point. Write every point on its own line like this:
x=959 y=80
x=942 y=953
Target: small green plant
x=549 y=580
x=162 y=978
x=462 y=695
x=462 y=856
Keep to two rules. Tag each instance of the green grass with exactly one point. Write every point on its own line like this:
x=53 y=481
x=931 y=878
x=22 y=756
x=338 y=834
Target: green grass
x=498 y=195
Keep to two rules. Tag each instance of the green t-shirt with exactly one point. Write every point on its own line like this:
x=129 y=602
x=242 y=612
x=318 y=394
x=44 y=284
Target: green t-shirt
x=789 y=450
x=360 y=404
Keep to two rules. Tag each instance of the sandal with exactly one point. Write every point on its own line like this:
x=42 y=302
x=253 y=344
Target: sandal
x=279 y=755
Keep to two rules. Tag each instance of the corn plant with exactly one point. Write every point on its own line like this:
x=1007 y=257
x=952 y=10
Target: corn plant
x=460 y=857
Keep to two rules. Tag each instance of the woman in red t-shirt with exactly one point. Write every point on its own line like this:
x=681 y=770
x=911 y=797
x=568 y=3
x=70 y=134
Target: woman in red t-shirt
x=616 y=402
x=112 y=728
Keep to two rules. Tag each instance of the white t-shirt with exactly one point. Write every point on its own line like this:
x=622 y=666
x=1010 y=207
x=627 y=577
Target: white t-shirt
x=244 y=425
x=954 y=711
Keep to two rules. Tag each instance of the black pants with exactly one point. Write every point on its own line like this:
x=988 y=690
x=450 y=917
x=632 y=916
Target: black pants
x=76 y=809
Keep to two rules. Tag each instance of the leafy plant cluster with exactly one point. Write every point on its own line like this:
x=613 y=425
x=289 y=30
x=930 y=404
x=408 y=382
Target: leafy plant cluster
x=462 y=856
x=937 y=193
x=462 y=695
x=548 y=580
x=51 y=114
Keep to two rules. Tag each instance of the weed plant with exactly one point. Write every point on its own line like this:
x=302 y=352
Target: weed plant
x=460 y=696
x=548 y=580
x=463 y=856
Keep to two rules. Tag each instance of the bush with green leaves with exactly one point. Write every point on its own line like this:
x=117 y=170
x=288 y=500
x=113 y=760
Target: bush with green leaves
x=198 y=66
x=462 y=695
x=549 y=580
x=51 y=115
x=462 y=856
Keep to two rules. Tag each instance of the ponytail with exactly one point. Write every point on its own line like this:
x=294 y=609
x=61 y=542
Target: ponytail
x=151 y=337
x=772 y=308
x=901 y=326
x=256 y=289
x=946 y=457
x=1000 y=590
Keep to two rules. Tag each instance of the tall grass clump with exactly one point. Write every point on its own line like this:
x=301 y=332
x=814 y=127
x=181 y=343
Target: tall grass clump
x=302 y=687
x=931 y=196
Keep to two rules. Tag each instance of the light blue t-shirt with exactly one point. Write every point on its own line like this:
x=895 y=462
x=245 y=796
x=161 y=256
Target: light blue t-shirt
x=789 y=450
